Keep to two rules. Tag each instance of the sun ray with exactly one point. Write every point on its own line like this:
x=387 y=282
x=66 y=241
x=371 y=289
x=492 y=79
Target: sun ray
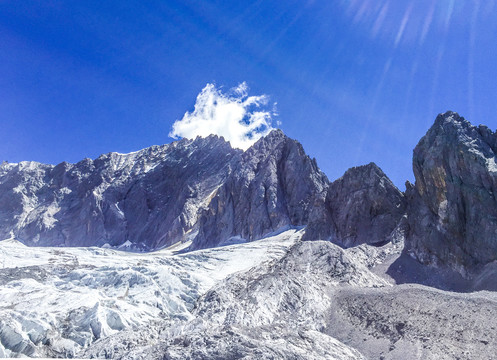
x=380 y=19
x=403 y=24
x=427 y=23
x=372 y=107
x=471 y=58
x=362 y=12
x=448 y=16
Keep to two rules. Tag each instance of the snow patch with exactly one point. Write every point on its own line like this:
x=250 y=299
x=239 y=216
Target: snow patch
x=491 y=165
x=127 y=244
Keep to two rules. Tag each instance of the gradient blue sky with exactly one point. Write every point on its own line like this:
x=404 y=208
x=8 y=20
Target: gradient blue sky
x=355 y=81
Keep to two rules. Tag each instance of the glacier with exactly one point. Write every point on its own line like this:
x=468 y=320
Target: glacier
x=58 y=301
x=278 y=297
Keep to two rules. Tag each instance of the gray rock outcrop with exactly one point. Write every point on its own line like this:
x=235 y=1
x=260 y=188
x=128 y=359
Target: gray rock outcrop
x=453 y=206
x=362 y=207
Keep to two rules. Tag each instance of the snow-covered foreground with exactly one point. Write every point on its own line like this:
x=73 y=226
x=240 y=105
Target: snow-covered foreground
x=57 y=301
x=276 y=298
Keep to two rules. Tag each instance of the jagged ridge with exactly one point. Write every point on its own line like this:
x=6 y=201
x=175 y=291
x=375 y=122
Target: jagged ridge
x=147 y=199
x=201 y=189
x=204 y=190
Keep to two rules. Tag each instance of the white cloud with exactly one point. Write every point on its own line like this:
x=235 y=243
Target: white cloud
x=239 y=118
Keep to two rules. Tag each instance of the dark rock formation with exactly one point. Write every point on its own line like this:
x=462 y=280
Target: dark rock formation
x=363 y=206
x=453 y=206
x=274 y=185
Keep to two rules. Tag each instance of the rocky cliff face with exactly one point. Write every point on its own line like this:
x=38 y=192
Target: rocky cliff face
x=144 y=200
x=362 y=207
x=199 y=189
x=453 y=205
x=274 y=185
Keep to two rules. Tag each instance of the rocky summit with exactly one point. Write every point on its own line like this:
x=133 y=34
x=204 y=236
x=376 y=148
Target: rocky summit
x=452 y=207
x=361 y=207
x=273 y=185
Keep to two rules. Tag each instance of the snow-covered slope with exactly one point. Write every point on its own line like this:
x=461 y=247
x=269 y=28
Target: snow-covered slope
x=279 y=297
x=322 y=302
x=57 y=301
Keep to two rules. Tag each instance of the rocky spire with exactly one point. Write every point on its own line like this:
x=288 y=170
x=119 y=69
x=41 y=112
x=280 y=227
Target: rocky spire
x=453 y=205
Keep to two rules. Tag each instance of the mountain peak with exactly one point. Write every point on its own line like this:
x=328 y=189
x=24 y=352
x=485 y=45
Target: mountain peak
x=275 y=137
x=450 y=115
x=362 y=206
x=273 y=186
x=452 y=206
x=450 y=130
x=276 y=133
x=451 y=120
x=364 y=170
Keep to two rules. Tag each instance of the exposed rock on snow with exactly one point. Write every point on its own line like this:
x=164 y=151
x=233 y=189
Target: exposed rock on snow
x=264 y=342
x=276 y=309
x=320 y=301
x=273 y=298
x=415 y=322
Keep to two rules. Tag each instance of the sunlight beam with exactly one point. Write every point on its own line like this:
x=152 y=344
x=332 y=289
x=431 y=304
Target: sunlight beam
x=403 y=24
x=427 y=24
x=471 y=58
x=380 y=19
x=448 y=17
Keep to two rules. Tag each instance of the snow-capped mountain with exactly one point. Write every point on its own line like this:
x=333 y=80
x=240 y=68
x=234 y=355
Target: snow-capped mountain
x=252 y=254
x=201 y=190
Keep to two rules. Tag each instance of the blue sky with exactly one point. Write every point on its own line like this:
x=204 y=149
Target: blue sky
x=354 y=81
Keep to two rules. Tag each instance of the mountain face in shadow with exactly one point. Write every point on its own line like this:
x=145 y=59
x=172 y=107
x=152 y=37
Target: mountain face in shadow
x=147 y=199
